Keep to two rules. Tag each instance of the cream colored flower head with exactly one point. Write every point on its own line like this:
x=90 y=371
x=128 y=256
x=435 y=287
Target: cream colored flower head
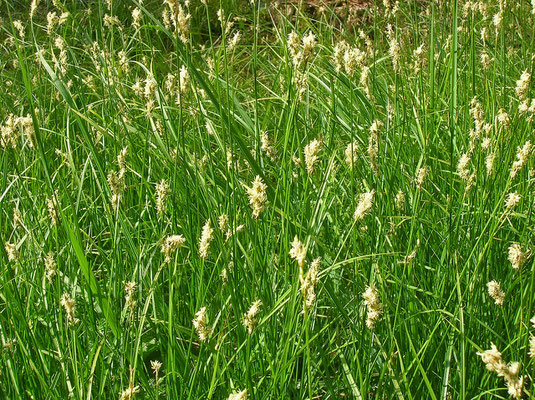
x=496 y=292
x=312 y=151
x=517 y=256
x=206 y=237
x=298 y=252
x=170 y=244
x=249 y=318
x=257 y=196
x=238 y=395
x=375 y=309
x=364 y=206
x=200 y=323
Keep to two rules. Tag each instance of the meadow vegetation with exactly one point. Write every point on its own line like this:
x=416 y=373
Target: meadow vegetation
x=267 y=200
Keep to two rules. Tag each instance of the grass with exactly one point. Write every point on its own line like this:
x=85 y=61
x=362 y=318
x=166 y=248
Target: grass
x=121 y=131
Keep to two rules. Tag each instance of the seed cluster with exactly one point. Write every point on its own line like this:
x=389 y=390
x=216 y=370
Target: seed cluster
x=494 y=362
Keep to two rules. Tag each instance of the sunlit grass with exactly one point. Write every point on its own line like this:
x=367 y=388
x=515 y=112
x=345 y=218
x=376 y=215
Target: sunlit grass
x=269 y=201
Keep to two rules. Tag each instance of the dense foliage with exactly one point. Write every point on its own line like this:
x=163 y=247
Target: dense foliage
x=266 y=200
